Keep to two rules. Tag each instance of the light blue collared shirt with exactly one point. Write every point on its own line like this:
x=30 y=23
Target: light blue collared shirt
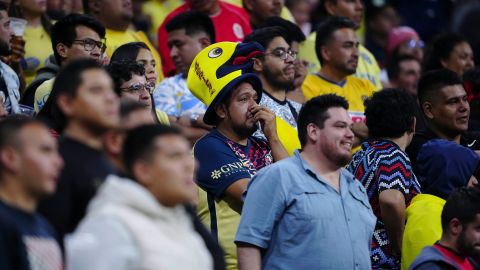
x=301 y=222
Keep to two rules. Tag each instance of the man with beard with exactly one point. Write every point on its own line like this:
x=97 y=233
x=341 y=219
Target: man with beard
x=116 y=16
x=337 y=51
x=460 y=242
x=9 y=82
x=276 y=70
x=308 y=206
x=229 y=155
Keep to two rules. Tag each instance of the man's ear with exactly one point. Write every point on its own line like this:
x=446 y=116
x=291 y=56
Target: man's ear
x=62 y=50
x=257 y=65
x=247 y=5
x=64 y=102
x=455 y=227
x=325 y=53
x=312 y=132
x=142 y=173
x=330 y=7
x=10 y=159
x=428 y=109
x=221 y=111
x=204 y=42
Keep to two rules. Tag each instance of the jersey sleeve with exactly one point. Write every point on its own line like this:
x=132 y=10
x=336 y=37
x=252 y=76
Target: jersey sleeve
x=164 y=98
x=392 y=173
x=219 y=167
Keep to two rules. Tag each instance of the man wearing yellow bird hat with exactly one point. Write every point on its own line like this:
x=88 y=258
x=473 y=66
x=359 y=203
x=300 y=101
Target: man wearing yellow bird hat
x=220 y=76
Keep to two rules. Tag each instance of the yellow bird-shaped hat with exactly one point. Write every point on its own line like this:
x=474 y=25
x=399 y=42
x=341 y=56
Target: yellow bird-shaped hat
x=218 y=68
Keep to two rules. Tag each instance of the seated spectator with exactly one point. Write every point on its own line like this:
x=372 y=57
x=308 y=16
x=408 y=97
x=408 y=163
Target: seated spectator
x=38 y=45
x=459 y=243
x=451 y=51
x=30 y=165
x=404 y=40
x=74 y=37
x=188 y=34
x=383 y=167
x=380 y=19
x=443 y=166
x=147 y=227
x=130 y=83
x=276 y=70
x=138 y=52
x=231 y=24
x=296 y=37
x=353 y=10
x=303 y=211
x=445 y=107
x=229 y=155
x=404 y=73
x=117 y=18
x=87 y=107
x=260 y=10
x=301 y=10
x=337 y=50
x=9 y=81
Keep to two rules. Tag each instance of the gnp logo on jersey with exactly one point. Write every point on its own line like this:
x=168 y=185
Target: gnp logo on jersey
x=227 y=170
x=357 y=117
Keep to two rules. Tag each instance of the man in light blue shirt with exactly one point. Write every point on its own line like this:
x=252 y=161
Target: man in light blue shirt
x=307 y=212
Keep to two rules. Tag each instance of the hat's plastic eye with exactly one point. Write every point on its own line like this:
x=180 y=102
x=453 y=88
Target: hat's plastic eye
x=215 y=52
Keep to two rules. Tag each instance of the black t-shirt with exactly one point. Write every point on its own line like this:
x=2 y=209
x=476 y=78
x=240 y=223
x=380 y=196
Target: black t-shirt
x=27 y=241
x=84 y=171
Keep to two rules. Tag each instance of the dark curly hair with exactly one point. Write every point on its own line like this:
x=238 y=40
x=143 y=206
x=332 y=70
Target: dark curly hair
x=389 y=113
x=122 y=71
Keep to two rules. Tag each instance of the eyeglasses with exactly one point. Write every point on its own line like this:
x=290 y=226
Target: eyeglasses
x=90 y=44
x=412 y=44
x=137 y=87
x=283 y=54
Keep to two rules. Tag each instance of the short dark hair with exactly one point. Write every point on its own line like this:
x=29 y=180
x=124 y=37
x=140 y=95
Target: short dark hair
x=265 y=35
x=433 y=81
x=393 y=65
x=193 y=22
x=67 y=82
x=128 y=51
x=139 y=143
x=441 y=48
x=463 y=204
x=389 y=113
x=64 y=30
x=315 y=111
x=325 y=32
x=293 y=31
x=122 y=71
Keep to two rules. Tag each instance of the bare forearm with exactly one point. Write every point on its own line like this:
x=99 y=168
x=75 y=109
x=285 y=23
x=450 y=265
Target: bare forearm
x=278 y=150
x=393 y=215
x=249 y=257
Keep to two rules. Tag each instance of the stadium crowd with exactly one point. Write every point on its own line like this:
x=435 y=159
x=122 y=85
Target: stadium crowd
x=228 y=134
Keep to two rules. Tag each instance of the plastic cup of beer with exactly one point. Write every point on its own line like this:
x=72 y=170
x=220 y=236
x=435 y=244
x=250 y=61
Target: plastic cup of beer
x=18 y=26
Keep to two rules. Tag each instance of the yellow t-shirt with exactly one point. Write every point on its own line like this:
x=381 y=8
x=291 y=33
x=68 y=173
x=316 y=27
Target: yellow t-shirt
x=423 y=227
x=367 y=64
x=117 y=38
x=158 y=10
x=227 y=221
x=38 y=48
x=353 y=89
x=42 y=93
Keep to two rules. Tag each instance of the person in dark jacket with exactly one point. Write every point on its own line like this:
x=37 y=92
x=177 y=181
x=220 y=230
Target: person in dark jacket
x=460 y=242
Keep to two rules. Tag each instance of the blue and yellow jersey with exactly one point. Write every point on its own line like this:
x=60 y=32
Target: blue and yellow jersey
x=38 y=48
x=367 y=65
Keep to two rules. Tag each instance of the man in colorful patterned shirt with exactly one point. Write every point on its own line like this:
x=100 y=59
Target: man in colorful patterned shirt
x=229 y=155
x=384 y=169
x=188 y=34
